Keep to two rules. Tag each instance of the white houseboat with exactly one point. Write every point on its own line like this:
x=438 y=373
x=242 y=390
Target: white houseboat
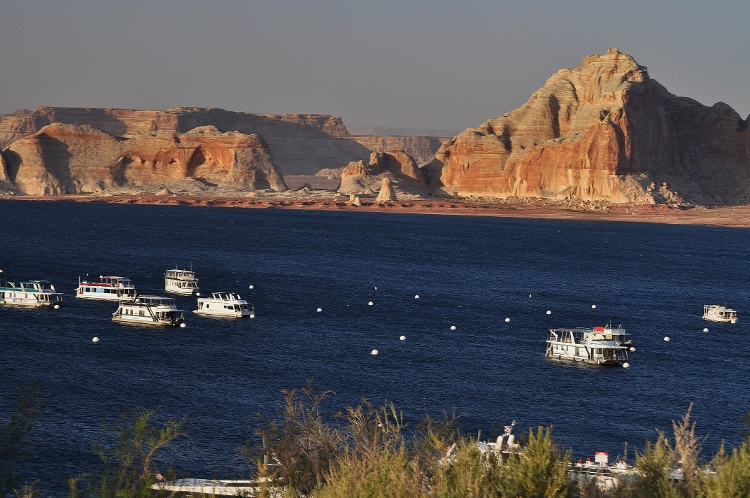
x=718 y=313
x=35 y=293
x=585 y=346
x=223 y=304
x=181 y=282
x=109 y=288
x=149 y=310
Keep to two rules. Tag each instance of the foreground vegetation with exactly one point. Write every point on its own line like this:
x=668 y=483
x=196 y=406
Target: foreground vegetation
x=365 y=451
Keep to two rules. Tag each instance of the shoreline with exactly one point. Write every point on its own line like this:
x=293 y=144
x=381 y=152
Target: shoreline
x=725 y=216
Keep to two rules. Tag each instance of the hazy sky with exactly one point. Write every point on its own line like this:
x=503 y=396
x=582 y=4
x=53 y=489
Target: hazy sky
x=444 y=65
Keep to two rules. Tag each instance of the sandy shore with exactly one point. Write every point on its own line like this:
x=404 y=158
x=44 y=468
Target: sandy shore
x=733 y=216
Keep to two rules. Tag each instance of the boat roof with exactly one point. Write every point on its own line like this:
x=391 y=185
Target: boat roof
x=147 y=298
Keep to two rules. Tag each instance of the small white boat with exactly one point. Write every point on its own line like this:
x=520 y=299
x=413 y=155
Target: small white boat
x=219 y=487
x=223 y=304
x=181 y=282
x=718 y=313
x=585 y=346
x=605 y=475
x=109 y=288
x=34 y=293
x=149 y=310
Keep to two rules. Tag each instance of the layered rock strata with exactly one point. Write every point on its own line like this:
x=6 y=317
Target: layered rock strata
x=299 y=143
x=603 y=130
x=75 y=159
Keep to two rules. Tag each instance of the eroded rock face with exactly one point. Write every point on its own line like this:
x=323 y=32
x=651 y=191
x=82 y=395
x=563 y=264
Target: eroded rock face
x=397 y=166
x=299 y=143
x=73 y=159
x=602 y=130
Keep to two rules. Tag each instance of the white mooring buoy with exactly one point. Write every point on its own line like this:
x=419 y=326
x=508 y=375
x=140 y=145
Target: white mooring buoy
x=593 y=306
x=507 y=320
x=632 y=349
x=374 y=352
x=183 y=325
x=705 y=329
x=95 y=339
x=319 y=310
x=453 y=327
x=549 y=312
x=198 y=294
x=626 y=365
x=370 y=303
x=252 y=315
x=416 y=296
x=402 y=338
x=251 y=286
x=666 y=339
x=57 y=306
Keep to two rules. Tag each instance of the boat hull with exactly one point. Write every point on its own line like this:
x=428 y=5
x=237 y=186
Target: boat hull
x=146 y=321
x=588 y=361
x=220 y=314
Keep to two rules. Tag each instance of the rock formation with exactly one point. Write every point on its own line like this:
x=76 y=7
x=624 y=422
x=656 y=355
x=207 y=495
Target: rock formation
x=603 y=130
x=74 y=159
x=386 y=193
x=422 y=149
x=299 y=143
x=400 y=169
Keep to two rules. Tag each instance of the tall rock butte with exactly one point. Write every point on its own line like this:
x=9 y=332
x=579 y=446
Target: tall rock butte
x=603 y=130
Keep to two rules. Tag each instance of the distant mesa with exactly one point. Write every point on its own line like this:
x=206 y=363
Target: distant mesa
x=78 y=159
x=600 y=132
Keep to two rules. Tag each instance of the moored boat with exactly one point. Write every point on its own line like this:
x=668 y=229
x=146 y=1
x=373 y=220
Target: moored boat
x=718 y=313
x=181 y=282
x=223 y=304
x=34 y=293
x=585 y=346
x=109 y=288
x=149 y=310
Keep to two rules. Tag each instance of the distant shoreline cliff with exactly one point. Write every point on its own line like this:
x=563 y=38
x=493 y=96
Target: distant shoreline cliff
x=602 y=131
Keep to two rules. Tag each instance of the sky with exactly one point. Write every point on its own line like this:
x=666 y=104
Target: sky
x=440 y=65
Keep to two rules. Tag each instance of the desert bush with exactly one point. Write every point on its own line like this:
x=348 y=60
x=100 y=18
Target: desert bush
x=129 y=458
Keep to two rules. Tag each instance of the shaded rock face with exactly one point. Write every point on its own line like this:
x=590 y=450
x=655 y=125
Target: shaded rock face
x=422 y=149
x=397 y=166
x=299 y=143
x=70 y=159
x=602 y=130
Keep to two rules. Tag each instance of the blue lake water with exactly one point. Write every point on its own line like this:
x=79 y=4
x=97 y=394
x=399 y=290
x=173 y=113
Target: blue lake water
x=471 y=272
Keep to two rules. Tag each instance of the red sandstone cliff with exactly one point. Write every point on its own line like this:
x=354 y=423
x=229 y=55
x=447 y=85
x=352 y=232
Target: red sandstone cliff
x=602 y=130
x=299 y=143
x=72 y=159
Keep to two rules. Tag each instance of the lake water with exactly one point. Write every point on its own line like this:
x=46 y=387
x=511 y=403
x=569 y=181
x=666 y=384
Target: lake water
x=469 y=272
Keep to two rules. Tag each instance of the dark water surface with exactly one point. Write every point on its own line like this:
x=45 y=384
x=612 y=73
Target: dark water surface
x=470 y=272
